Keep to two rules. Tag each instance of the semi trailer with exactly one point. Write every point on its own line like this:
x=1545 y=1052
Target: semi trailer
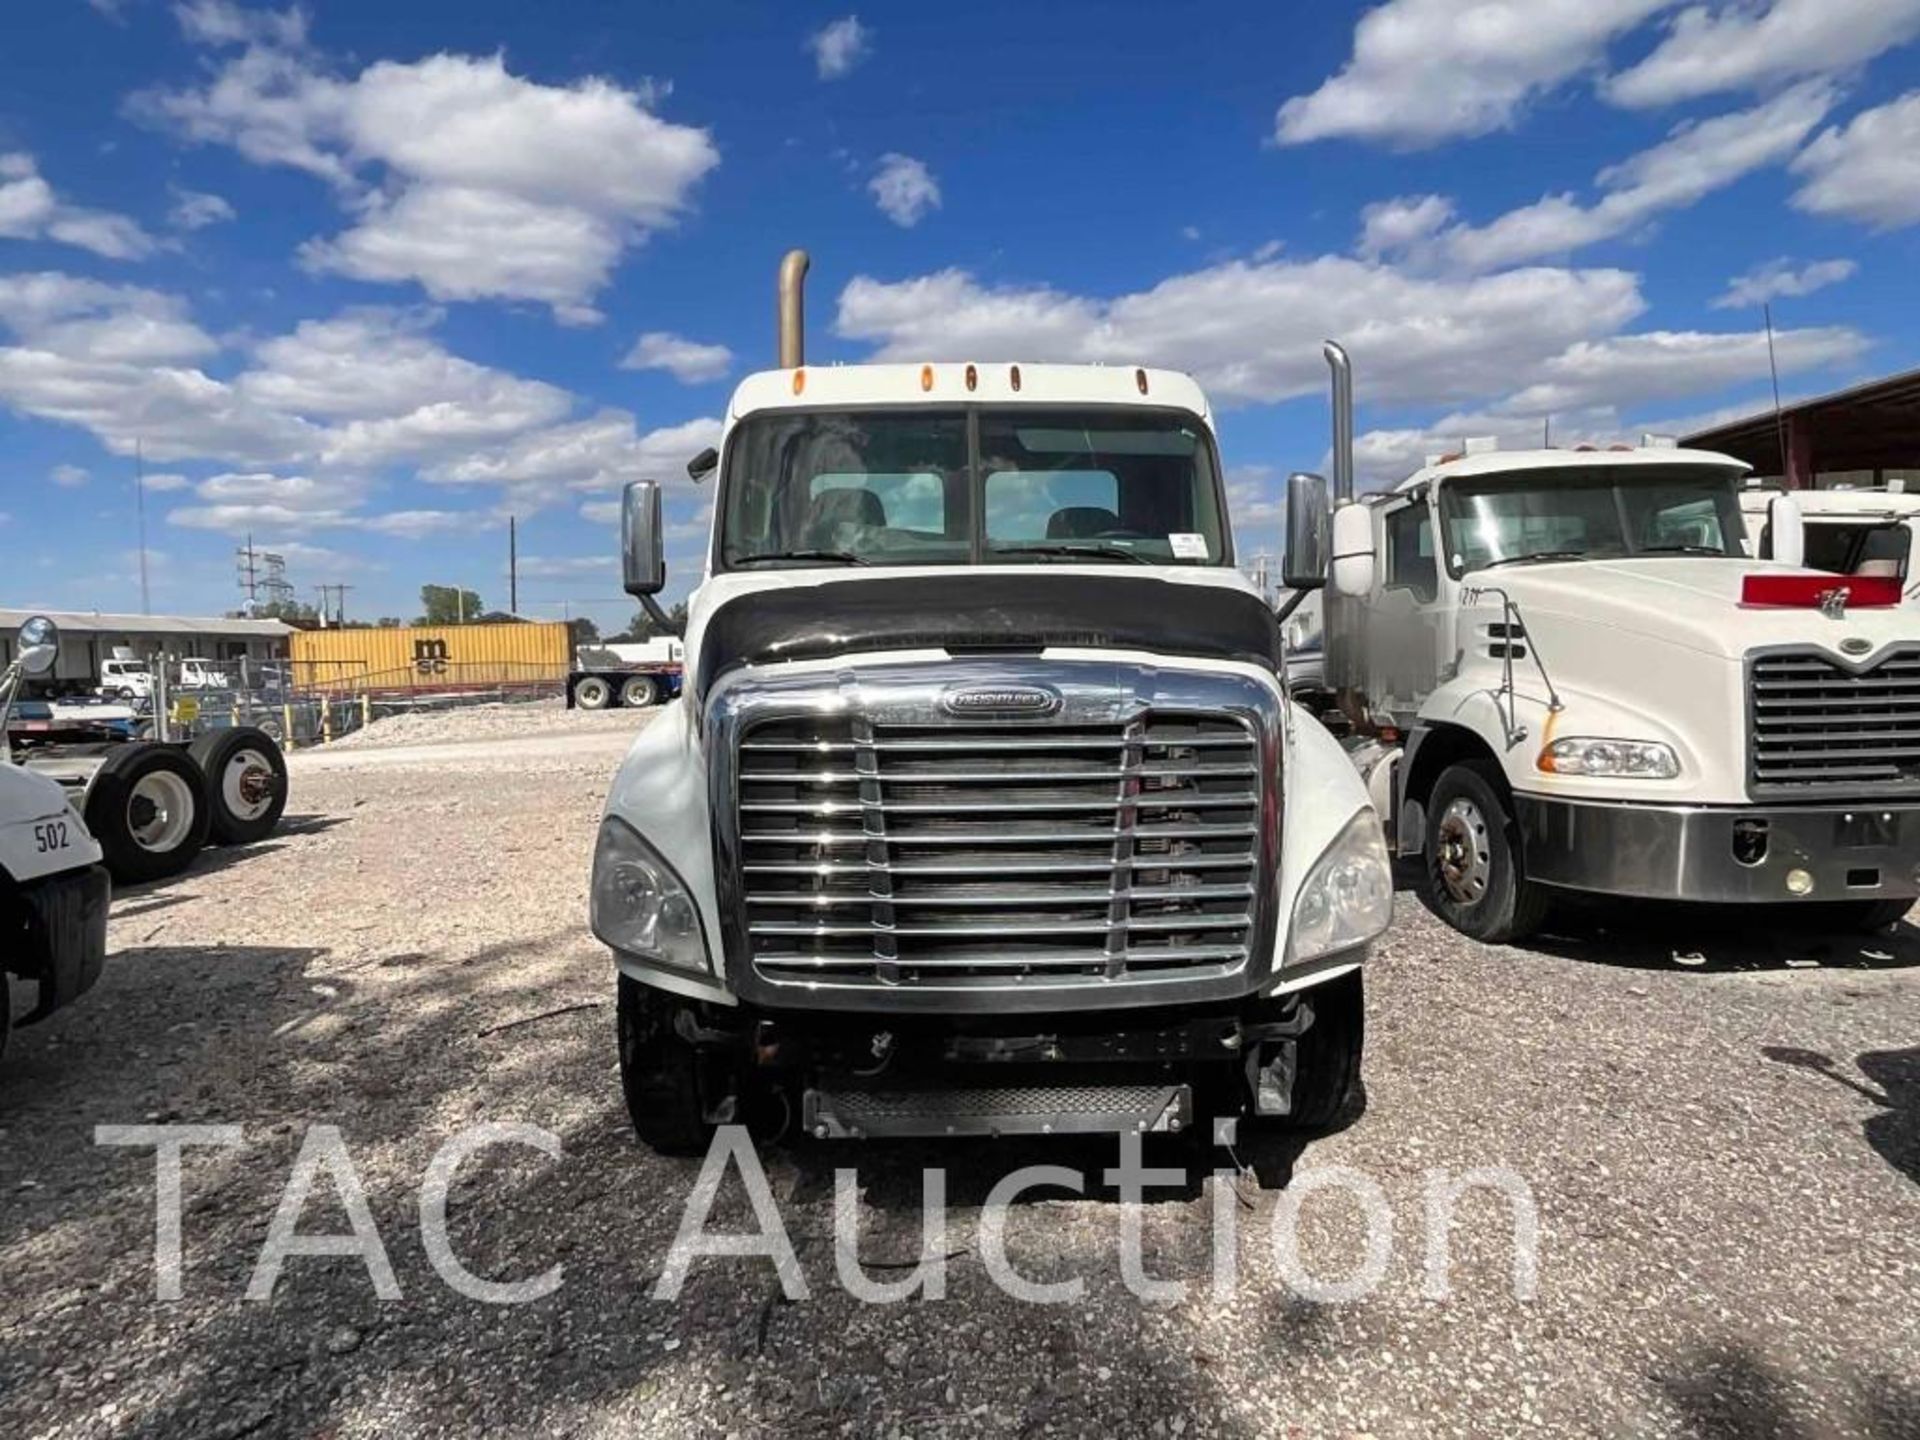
x=627 y=674
x=1565 y=673
x=985 y=809
x=150 y=805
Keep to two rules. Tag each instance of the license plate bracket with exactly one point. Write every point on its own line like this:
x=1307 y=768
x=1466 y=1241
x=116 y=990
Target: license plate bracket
x=1866 y=830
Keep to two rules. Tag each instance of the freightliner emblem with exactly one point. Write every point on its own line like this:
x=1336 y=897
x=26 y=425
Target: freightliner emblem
x=1001 y=700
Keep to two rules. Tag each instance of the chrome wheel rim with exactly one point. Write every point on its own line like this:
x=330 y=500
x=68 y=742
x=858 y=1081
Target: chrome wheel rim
x=160 y=812
x=1465 y=854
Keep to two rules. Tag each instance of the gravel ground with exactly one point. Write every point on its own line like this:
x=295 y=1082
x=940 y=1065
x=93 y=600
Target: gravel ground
x=1721 y=1133
x=486 y=722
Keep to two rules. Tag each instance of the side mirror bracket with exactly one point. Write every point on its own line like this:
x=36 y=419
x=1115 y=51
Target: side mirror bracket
x=643 y=564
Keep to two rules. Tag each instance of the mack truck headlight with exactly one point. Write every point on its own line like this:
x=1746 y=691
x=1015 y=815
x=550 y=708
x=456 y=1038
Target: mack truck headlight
x=639 y=905
x=1348 y=897
x=1627 y=759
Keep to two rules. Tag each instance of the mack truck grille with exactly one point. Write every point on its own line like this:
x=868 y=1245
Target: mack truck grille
x=1820 y=728
x=983 y=855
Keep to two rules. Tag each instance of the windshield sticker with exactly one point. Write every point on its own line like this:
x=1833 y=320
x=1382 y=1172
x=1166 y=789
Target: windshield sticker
x=1188 y=547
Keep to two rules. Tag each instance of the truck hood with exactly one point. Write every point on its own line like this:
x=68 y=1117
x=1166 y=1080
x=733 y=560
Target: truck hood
x=1689 y=601
x=983 y=609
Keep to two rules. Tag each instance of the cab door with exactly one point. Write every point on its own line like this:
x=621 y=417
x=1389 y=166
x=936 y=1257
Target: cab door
x=1410 y=639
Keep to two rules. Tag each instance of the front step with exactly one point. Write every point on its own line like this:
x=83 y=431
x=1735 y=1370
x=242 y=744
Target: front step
x=997 y=1110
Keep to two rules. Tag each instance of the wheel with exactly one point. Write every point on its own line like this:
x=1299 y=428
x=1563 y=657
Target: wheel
x=638 y=692
x=1326 y=1067
x=1861 y=916
x=124 y=693
x=659 y=1074
x=590 y=692
x=1472 y=863
x=147 y=808
x=246 y=783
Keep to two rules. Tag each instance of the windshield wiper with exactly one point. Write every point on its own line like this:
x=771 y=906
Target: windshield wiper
x=1104 y=552
x=1534 y=557
x=1682 y=550
x=769 y=557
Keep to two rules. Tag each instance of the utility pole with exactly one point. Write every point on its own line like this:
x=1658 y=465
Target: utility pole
x=140 y=505
x=513 y=565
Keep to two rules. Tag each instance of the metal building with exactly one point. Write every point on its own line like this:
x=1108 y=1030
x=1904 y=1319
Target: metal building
x=87 y=637
x=1866 y=437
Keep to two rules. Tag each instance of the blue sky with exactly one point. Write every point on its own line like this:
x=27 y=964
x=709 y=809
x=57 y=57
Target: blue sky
x=363 y=279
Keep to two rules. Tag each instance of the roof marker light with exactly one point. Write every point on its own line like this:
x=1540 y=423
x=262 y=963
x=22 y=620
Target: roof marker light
x=973 y=378
x=799 y=380
x=1140 y=379
x=1016 y=377
x=926 y=377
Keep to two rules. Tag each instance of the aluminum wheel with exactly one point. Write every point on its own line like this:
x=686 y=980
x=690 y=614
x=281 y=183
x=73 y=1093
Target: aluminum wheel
x=592 y=693
x=1465 y=859
x=638 y=692
x=160 y=811
x=247 y=785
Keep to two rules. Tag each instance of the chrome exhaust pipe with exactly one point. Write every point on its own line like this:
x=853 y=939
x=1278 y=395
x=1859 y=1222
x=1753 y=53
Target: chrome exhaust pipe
x=1342 y=421
x=793 y=310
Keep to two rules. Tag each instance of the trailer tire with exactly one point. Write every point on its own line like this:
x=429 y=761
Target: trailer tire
x=1472 y=871
x=638 y=692
x=246 y=783
x=660 y=1074
x=147 y=807
x=590 y=692
x=1326 y=1067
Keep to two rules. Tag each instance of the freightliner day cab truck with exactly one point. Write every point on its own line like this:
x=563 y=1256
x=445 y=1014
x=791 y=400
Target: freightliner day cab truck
x=985 y=809
x=1564 y=672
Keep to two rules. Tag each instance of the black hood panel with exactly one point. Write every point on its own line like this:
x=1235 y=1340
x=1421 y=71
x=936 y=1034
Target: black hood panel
x=976 y=612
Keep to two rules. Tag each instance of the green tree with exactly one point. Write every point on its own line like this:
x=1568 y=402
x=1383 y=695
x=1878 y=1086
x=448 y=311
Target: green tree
x=448 y=605
x=642 y=628
x=585 y=631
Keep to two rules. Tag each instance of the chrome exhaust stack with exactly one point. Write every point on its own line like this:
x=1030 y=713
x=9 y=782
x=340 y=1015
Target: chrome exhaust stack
x=1342 y=421
x=793 y=309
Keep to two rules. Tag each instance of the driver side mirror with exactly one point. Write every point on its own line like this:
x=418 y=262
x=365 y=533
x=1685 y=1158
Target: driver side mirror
x=1304 y=565
x=37 y=645
x=643 y=563
x=1787 y=530
x=1352 y=569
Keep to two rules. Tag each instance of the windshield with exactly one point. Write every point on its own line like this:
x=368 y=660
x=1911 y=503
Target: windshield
x=1600 y=512
x=1857 y=548
x=1024 y=485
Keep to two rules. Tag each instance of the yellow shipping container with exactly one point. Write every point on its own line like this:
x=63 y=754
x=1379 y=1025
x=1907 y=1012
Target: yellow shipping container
x=430 y=657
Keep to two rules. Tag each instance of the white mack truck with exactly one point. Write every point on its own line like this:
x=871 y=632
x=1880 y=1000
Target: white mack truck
x=1848 y=532
x=1566 y=672
x=54 y=888
x=985 y=809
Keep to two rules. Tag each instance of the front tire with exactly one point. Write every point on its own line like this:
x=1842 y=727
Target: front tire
x=147 y=807
x=660 y=1074
x=1473 y=876
x=1326 y=1073
x=590 y=692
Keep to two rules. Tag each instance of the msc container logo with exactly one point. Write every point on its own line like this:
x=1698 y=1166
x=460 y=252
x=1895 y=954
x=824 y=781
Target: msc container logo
x=430 y=657
x=1001 y=700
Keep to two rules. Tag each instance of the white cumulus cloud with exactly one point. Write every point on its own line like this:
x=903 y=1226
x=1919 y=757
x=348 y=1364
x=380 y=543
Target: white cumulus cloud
x=1867 y=170
x=30 y=210
x=1709 y=49
x=196 y=210
x=904 y=189
x=688 y=361
x=1778 y=279
x=839 y=46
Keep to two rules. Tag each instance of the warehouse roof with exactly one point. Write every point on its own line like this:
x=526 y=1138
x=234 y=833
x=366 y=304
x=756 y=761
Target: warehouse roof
x=85 y=622
x=1874 y=426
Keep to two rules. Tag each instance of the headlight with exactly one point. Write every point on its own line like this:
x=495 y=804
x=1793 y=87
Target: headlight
x=1348 y=897
x=639 y=905
x=1629 y=759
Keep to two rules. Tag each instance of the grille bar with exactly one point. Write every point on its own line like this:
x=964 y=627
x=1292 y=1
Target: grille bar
x=1819 y=729
x=976 y=852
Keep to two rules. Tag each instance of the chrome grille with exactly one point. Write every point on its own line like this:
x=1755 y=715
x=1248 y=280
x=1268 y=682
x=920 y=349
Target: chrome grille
x=993 y=854
x=1822 y=729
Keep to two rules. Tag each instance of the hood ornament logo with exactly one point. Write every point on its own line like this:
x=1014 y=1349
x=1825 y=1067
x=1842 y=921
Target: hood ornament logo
x=1021 y=700
x=1856 y=645
x=1833 y=603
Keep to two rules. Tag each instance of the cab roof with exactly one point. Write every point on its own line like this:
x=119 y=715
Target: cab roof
x=1865 y=503
x=1500 y=462
x=997 y=382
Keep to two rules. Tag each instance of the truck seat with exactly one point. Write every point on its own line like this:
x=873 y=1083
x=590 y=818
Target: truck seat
x=833 y=512
x=1081 y=522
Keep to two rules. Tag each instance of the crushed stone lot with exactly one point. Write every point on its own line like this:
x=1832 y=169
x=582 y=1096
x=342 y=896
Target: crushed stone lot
x=1720 y=1130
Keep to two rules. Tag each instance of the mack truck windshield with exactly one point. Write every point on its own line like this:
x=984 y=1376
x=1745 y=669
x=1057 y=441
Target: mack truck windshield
x=984 y=809
x=1571 y=673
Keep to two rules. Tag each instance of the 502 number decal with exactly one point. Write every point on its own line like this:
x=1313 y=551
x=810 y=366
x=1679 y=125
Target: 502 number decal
x=50 y=836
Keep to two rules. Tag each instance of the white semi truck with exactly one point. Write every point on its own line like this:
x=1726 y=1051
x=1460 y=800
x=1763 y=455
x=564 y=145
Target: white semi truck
x=1564 y=672
x=54 y=889
x=1848 y=532
x=985 y=809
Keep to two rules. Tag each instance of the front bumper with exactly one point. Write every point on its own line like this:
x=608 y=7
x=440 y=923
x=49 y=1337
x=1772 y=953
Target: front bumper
x=1722 y=854
x=66 y=937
